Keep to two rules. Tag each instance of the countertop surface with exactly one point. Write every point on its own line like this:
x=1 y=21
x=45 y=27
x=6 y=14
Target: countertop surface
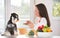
x=24 y=36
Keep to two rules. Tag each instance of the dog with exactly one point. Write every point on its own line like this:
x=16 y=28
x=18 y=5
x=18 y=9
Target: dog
x=11 y=25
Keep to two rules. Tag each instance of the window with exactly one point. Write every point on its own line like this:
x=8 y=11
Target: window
x=56 y=8
x=22 y=8
x=2 y=16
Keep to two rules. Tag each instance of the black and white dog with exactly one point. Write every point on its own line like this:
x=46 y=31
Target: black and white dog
x=11 y=25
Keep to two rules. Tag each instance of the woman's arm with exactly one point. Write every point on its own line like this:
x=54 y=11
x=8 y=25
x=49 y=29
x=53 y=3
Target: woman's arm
x=30 y=24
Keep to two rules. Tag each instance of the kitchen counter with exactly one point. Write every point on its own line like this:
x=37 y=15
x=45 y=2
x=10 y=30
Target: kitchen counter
x=24 y=36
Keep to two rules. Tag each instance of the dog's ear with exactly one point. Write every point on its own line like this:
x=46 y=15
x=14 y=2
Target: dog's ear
x=10 y=17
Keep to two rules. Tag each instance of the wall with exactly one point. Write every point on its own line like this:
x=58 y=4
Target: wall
x=55 y=23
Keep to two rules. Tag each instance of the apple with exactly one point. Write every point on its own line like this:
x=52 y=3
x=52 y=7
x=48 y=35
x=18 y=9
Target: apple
x=40 y=27
x=44 y=30
x=46 y=26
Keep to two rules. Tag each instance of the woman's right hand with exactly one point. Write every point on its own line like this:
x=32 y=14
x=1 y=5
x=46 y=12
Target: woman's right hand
x=30 y=24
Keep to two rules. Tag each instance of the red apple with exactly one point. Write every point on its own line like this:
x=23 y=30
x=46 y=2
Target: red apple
x=40 y=27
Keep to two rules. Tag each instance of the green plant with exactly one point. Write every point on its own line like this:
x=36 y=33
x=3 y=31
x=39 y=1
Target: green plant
x=31 y=33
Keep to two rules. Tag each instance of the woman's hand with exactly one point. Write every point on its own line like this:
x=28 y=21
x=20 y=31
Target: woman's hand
x=30 y=24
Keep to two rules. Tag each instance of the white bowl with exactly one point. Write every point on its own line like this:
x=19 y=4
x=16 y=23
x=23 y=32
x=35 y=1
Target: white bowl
x=44 y=34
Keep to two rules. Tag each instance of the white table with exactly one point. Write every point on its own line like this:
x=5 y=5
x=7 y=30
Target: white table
x=23 y=36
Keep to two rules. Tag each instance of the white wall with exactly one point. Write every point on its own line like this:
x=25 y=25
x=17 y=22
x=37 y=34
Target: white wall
x=55 y=24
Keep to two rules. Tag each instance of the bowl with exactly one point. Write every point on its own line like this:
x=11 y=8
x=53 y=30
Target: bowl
x=22 y=31
x=44 y=34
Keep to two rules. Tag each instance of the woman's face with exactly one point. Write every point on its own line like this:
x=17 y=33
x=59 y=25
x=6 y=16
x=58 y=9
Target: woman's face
x=36 y=12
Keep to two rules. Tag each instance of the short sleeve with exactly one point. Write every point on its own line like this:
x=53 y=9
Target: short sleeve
x=43 y=21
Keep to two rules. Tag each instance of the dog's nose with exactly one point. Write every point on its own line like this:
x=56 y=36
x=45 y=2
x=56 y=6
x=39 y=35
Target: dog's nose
x=17 y=20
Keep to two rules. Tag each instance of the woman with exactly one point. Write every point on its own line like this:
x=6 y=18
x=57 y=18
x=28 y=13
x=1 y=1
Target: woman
x=41 y=17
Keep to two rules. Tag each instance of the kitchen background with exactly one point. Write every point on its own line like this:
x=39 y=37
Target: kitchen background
x=25 y=9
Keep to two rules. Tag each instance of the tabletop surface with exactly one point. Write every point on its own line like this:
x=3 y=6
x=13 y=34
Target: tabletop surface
x=23 y=36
